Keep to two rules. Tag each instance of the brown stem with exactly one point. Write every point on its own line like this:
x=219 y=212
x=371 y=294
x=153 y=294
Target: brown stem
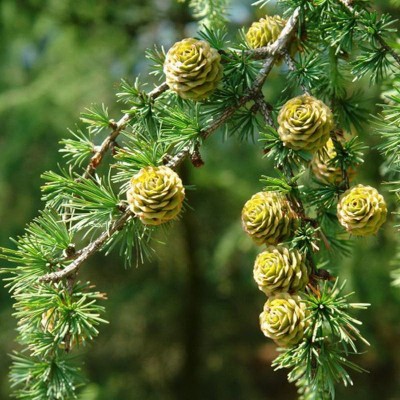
x=265 y=110
x=117 y=128
x=88 y=250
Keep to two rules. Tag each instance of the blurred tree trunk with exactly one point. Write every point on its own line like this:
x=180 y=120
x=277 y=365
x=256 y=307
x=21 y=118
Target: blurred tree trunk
x=189 y=385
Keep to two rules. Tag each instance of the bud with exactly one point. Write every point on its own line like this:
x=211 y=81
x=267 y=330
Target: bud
x=279 y=269
x=268 y=218
x=283 y=319
x=362 y=210
x=265 y=31
x=305 y=123
x=323 y=168
x=193 y=69
x=156 y=195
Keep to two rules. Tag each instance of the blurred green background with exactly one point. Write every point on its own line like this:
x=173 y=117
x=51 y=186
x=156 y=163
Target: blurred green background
x=186 y=325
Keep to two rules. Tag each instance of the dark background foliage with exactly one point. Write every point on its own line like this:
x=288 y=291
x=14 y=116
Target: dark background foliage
x=186 y=324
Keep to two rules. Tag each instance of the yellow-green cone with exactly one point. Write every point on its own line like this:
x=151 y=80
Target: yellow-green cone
x=268 y=218
x=283 y=319
x=265 y=31
x=305 y=123
x=279 y=269
x=193 y=69
x=362 y=210
x=156 y=195
x=324 y=170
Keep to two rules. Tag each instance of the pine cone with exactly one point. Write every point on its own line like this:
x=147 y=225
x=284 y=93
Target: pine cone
x=305 y=123
x=156 y=195
x=362 y=210
x=283 y=319
x=323 y=168
x=193 y=69
x=268 y=218
x=279 y=269
x=265 y=31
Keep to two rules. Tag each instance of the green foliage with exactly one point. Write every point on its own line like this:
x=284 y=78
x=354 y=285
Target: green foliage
x=40 y=248
x=78 y=150
x=52 y=318
x=135 y=96
x=306 y=239
x=320 y=360
x=216 y=37
x=181 y=125
x=210 y=12
x=82 y=211
x=387 y=126
x=157 y=56
x=323 y=196
x=283 y=157
x=93 y=202
x=278 y=184
x=134 y=241
x=36 y=379
x=139 y=150
x=308 y=70
x=96 y=118
x=372 y=60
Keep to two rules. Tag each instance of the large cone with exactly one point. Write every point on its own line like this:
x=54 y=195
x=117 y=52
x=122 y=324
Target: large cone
x=156 y=195
x=193 y=69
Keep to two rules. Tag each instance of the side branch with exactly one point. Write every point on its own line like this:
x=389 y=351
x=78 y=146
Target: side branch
x=379 y=38
x=117 y=128
x=90 y=249
x=266 y=110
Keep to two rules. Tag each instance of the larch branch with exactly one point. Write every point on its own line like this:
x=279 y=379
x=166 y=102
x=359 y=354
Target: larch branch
x=276 y=49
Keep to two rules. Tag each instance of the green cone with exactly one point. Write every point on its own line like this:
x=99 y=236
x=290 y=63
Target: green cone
x=284 y=319
x=305 y=123
x=362 y=210
x=323 y=168
x=268 y=218
x=193 y=69
x=265 y=31
x=279 y=269
x=156 y=195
